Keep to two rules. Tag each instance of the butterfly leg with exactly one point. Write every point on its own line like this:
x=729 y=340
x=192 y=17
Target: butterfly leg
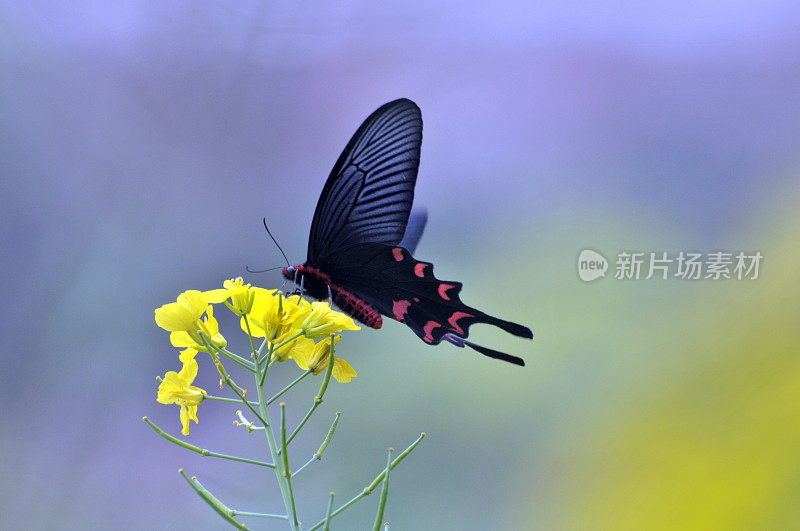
x=330 y=296
x=280 y=289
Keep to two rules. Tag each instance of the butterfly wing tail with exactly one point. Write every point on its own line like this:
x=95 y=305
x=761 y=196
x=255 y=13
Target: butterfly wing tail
x=495 y=354
x=512 y=328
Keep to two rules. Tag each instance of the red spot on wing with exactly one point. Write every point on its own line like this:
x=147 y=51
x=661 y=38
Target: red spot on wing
x=428 y=328
x=443 y=287
x=416 y=299
x=419 y=269
x=398 y=254
x=399 y=309
x=454 y=320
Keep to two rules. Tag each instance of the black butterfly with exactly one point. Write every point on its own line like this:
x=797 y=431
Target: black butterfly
x=359 y=249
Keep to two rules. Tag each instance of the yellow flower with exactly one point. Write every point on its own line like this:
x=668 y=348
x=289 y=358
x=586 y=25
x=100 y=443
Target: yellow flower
x=286 y=314
x=262 y=298
x=323 y=321
x=273 y=315
x=182 y=315
x=237 y=291
x=176 y=388
x=209 y=328
x=300 y=343
x=316 y=358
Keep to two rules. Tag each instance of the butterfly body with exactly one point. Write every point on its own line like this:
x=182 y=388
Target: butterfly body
x=317 y=283
x=358 y=251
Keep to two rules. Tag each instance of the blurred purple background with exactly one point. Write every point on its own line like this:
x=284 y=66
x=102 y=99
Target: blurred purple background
x=142 y=142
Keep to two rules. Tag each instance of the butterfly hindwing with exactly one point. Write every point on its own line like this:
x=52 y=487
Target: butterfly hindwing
x=405 y=289
x=368 y=195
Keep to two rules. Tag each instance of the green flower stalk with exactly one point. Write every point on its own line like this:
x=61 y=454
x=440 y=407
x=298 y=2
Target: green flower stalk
x=285 y=328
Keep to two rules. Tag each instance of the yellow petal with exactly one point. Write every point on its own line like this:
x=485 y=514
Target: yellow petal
x=188 y=372
x=174 y=317
x=235 y=283
x=323 y=321
x=181 y=315
x=181 y=340
x=342 y=371
x=302 y=352
x=256 y=325
x=297 y=301
x=170 y=385
x=187 y=354
x=216 y=296
x=194 y=300
x=262 y=300
x=185 y=420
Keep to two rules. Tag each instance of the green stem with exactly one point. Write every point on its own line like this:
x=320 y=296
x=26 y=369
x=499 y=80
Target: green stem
x=282 y=343
x=285 y=454
x=308 y=463
x=250 y=336
x=257 y=354
x=281 y=473
x=384 y=494
x=230 y=383
x=211 y=500
x=328 y=513
x=261 y=348
x=368 y=490
x=224 y=399
x=328 y=437
x=317 y=399
x=318 y=454
x=235 y=358
x=296 y=381
x=203 y=451
x=266 y=366
x=317 y=402
x=234 y=512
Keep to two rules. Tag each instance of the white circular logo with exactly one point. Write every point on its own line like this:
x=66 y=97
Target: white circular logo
x=591 y=265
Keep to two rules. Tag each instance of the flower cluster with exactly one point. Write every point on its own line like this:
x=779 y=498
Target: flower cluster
x=291 y=327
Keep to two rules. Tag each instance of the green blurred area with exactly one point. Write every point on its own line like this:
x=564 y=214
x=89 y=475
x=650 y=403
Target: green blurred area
x=692 y=422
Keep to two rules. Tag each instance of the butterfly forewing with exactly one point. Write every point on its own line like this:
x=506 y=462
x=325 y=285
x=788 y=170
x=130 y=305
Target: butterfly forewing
x=368 y=195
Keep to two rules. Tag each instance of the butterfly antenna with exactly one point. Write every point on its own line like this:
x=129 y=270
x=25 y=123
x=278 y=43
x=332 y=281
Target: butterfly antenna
x=261 y=270
x=276 y=243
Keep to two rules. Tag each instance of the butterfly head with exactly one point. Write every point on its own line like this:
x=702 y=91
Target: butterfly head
x=315 y=282
x=290 y=272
